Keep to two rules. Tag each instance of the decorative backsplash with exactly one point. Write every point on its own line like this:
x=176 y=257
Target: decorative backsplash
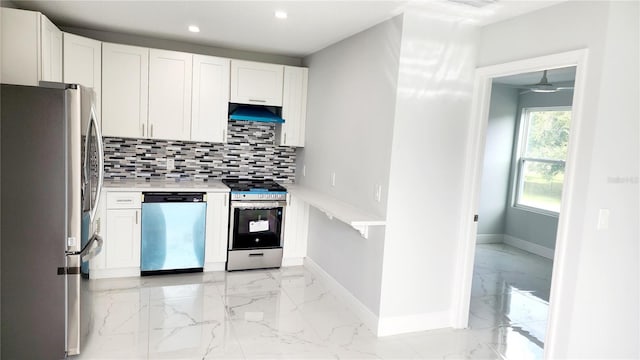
x=250 y=152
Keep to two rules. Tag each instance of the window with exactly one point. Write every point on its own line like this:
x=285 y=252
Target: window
x=542 y=151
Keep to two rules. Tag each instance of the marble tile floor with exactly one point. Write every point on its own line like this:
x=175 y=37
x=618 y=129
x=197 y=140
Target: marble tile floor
x=289 y=314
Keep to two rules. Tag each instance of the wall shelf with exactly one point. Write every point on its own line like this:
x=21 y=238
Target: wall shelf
x=357 y=218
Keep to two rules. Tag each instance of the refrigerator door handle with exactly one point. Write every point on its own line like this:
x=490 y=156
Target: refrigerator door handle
x=90 y=252
x=94 y=122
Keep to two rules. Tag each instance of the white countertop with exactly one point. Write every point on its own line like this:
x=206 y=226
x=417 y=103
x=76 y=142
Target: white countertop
x=357 y=218
x=166 y=185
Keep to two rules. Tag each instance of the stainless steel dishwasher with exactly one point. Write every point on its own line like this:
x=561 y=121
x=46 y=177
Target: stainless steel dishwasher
x=173 y=232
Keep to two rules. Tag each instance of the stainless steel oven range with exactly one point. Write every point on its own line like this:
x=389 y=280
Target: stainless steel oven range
x=256 y=224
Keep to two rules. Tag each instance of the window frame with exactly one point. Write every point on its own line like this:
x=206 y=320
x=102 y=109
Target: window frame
x=520 y=159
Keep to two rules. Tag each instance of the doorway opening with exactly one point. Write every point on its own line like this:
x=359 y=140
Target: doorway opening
x=526 y=144
x=524 y=189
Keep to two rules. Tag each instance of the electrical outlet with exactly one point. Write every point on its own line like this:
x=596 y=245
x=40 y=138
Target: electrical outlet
x=333 y=178
x=171 y=164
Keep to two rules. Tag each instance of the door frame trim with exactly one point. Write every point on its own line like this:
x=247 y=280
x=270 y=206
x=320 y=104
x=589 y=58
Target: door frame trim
x=476 y=138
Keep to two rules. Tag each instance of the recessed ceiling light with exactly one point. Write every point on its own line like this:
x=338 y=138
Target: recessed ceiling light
x=281 y=14
x=194 y=29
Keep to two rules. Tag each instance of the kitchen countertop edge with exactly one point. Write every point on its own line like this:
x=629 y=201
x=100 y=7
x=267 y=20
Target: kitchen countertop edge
x=164 y=186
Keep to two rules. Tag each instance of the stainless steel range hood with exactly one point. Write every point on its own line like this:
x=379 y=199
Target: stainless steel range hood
x=254 y=113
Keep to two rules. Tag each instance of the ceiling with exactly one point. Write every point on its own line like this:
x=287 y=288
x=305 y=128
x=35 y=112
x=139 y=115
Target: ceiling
x=251 y=25
x=565 y=75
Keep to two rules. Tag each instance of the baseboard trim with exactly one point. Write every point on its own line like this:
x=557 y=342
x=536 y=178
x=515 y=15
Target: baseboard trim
x=298 y=261
x=529 y=246
x=215 y=266
x=394 y=325
x=489 y=238
x=367 y=316
x=114 y=273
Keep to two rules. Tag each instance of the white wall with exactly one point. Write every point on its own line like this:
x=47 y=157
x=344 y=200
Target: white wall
x=598 y=303
x=351 y=104
x=437 y=64
x=494 y=193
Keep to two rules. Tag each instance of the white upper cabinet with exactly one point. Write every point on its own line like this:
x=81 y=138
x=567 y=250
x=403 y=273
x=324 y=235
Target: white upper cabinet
x=31 y=48
x=256 y=83
x=83 y=65
x=125 y=90
x=170 y=79
x=51 y=49
x=294 y=107
x=210 y=99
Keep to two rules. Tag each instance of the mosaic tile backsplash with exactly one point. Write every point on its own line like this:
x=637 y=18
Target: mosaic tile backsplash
x=250 y=152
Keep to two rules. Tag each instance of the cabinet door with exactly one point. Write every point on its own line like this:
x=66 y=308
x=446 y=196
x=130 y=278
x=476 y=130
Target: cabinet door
x=294 y=106
x=170 y=94
x=210 y=102
x=122 y=244
x=295 y=230
x=83 y=65
x=51 y=50
x=256 y=83
x=217 y=228
x=20 y=47
x=125 y=90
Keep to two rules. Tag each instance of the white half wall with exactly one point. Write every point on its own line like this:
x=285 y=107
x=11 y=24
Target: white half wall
x=437 y=65
x=350 y=114
x=595 y=306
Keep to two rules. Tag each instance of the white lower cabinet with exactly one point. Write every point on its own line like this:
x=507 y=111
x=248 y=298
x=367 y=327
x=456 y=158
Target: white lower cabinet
x=121 y=231
x=119 y=223
x=295 y=232
x=215 y=253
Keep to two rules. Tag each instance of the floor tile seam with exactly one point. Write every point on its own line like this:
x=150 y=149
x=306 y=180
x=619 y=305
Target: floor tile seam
x=300 y=313
x=233 y=329
x=148 y=317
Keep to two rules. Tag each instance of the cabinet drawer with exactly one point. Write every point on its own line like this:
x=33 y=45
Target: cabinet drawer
x=124 y=200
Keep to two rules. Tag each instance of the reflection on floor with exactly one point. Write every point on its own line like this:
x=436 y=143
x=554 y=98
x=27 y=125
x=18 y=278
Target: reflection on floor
x=288 y=313
x=510 y=294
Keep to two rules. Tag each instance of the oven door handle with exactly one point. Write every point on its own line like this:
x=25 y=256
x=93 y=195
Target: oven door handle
x=258 y=204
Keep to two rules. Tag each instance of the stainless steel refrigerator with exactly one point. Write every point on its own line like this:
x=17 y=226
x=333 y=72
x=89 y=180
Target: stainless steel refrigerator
x=51 y=164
